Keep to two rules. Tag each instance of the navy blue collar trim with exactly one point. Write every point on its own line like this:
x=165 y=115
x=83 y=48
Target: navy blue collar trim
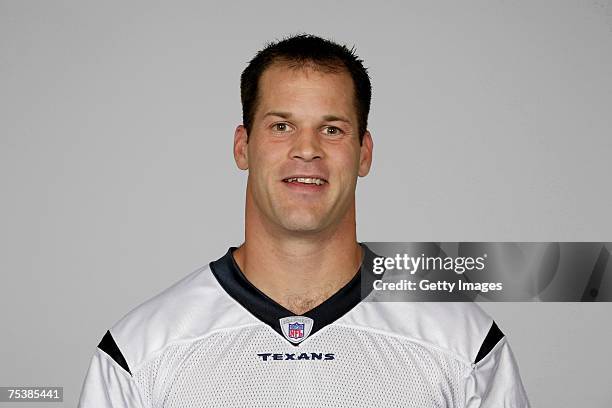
x=230 y=277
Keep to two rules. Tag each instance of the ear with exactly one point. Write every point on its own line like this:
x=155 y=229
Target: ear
x=365 y=156
x=241 y=154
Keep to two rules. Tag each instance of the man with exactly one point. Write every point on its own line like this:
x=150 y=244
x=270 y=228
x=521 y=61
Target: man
x=280 y=320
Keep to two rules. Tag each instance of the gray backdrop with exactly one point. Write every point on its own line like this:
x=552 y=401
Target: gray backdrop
x=491 y=121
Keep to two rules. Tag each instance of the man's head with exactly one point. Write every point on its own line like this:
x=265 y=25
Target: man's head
x=304 y=138
x=306 y=51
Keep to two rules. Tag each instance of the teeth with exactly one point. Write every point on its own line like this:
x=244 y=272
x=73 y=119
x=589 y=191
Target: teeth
x=306 y=180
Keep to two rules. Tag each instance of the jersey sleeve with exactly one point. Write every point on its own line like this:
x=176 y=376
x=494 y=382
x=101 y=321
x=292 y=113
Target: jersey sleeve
x=109 y=383
x=495 y=381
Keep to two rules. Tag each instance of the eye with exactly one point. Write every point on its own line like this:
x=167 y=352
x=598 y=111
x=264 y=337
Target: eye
x=332 y=131
x=281 y=127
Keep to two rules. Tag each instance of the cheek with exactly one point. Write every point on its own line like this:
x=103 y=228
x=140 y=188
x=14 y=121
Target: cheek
x=264 y=160
x=347 y=164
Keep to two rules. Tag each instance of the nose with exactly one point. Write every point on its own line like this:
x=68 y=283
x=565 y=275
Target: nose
x=306 y=146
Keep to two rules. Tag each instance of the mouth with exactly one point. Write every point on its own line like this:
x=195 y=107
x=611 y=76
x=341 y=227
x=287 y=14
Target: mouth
x=306 y=180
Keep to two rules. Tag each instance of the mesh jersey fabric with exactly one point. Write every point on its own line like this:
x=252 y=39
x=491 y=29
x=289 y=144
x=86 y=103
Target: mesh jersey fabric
x=195 y=345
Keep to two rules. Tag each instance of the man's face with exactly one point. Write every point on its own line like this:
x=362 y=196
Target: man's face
x=303 y=151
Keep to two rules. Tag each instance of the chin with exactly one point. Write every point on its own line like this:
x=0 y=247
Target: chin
x=302 y=224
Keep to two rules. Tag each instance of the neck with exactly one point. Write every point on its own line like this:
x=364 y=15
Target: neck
x=299 y=271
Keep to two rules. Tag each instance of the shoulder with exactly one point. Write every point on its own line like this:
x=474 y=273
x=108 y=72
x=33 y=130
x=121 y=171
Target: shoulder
x=462 y=329
x=190 y=309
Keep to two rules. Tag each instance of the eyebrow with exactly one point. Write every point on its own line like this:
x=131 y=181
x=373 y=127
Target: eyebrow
x=327 y=118
x=284 y=115
x=334 y=118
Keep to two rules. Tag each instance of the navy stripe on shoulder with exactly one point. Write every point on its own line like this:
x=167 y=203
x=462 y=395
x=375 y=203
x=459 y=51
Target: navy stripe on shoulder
x=493 y=337
x=109 y=346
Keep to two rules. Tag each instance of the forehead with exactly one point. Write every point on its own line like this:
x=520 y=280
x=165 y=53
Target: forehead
x=306 y=87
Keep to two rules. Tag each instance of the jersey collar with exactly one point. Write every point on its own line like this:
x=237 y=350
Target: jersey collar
x=232 y=280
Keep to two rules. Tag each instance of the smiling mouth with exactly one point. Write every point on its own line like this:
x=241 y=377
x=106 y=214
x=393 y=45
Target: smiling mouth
x=306 y=180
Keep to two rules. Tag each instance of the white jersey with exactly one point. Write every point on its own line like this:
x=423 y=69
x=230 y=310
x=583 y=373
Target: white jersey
x=214 y=340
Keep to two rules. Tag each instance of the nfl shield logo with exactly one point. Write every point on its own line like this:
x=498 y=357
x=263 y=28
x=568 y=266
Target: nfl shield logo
x=296 y=330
